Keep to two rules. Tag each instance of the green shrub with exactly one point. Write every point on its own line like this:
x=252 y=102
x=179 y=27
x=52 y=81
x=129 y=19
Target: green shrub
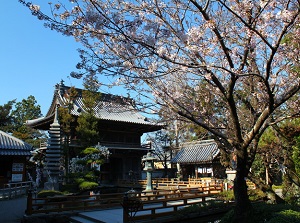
x=289 y=216
x=79 y=180
x=69 y=188
x=48 y=193
x=256 y=195
x=226 y=195
x=86 y=185
x=274 y=187
x=269 y=213
x=90 y=176
x=291 y=195
x=203 y=207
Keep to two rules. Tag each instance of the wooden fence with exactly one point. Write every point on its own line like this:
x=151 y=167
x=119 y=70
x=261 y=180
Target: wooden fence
x=12 y=190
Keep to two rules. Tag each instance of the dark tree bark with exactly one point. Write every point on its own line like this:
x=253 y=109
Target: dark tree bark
x=243 y=206
x=271 y=195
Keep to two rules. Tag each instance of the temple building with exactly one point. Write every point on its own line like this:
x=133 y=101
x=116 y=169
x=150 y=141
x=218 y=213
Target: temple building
x=14 y=154
x=199 y=159
x=120 y=129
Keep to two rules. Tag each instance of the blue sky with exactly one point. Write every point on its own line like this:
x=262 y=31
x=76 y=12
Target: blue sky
x=33 y=59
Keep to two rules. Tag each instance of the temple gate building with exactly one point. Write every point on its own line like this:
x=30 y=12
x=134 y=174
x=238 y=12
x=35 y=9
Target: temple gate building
x=120 y=130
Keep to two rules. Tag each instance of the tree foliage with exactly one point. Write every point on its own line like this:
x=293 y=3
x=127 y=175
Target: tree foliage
x=66 y=119
x=296 y=156
x=228 y=66
x=14 y=116
x=87 y=128
x=5 y=117
x=277 y=158
x=27 y=109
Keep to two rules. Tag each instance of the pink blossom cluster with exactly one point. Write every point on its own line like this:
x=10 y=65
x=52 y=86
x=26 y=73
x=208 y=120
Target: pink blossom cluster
x=226 y=65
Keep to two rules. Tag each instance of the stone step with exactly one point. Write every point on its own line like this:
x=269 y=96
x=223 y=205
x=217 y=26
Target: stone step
x=113 y=215
x=78 y=219
x=84 y=219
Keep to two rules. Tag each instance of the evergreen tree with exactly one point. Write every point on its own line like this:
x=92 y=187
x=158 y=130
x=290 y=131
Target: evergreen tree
x=25 y=110
x=87 y=128
x=5 y=117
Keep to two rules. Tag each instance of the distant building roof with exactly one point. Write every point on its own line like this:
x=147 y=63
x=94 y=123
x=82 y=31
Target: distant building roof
x=197 y=152
x=110 y=107
x=12 y=146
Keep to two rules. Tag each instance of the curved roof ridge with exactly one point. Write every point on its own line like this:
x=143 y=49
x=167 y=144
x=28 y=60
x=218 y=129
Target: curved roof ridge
x=198 y=142
x=10 y=145
x=109 y=107
x=197 y=152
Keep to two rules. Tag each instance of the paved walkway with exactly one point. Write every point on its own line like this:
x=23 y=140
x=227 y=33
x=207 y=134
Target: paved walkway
x=12 y=211
x=106 y=216
x=115 y=215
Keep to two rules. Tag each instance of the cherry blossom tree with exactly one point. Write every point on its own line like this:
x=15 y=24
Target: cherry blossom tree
x=229 y=66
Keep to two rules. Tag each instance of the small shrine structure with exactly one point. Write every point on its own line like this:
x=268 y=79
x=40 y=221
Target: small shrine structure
x=14 y=154
x=199 y=159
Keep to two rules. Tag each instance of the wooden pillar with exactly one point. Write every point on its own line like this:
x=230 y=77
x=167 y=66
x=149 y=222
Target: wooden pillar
x=125 y=209
x=28 y=210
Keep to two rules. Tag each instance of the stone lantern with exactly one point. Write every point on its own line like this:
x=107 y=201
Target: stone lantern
x=149 y=168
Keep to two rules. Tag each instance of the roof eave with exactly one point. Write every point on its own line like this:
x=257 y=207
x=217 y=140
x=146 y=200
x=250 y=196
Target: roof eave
x=41 y=123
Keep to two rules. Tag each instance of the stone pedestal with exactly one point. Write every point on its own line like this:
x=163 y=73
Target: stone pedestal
x=51 y=186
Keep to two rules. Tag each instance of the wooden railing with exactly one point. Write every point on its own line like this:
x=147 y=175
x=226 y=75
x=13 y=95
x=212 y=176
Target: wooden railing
x=109 y=144
x=165 y=183
x=71 y=203
x=102 y=201
x=164 y=203
x=12 y=190
x=183 y=184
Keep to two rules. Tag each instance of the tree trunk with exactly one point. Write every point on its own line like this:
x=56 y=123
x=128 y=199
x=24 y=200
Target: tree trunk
x=274 y=198
x=271 y=195
x=243 y=205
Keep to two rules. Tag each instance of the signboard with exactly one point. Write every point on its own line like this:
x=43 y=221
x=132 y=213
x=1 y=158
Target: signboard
x=17 y=167
x=16 y=177
x=205 y=170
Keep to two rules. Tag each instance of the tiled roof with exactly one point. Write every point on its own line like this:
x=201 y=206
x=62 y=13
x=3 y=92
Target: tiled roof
x=196 y=153
x=113 y=111
x=12 y=146
x=109 y=107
